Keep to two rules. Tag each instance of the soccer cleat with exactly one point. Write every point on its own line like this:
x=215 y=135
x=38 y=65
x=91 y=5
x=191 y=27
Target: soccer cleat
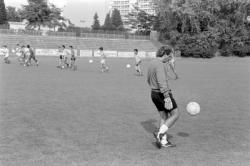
x=168 y=144
x=157 y=136
x=157 y=142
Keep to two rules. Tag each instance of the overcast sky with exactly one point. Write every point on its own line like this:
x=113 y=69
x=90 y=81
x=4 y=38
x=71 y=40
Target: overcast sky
x=75 y=10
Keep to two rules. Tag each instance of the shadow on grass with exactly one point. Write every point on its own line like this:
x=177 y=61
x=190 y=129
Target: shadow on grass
x=149 y=125
x=182 y=134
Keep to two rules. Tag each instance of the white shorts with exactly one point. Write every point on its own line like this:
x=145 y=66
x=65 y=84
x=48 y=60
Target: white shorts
x=138 y=62
x=172 y=61
x=103 y=61
x=18 y=54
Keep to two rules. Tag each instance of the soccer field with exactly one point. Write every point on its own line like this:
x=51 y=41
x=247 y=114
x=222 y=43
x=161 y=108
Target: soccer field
x=54 y=117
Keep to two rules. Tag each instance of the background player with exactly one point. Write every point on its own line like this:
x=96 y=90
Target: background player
x=18 y=53
x=31 y=55
x=137 y=62
x=65 y=54
x=60 y=54
x=104 y=67
x=72 y=58
x=6 y=54
x=172 y=63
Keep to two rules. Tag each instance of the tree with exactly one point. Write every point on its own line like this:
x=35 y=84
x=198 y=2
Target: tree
x=140 y=20
x=3 y=14
x=37 y=12
x=107 y=23
x=96 y=23
x=117 y=20
x=40 y=13
x=13 y=14
x=56 y=20
x=200 y=26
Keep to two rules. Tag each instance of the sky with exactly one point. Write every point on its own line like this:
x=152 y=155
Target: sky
x=80 y=12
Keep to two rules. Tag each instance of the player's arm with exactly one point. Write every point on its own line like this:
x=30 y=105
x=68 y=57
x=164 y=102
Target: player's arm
x=173 y=69
x=138 y=63
x=161 y=81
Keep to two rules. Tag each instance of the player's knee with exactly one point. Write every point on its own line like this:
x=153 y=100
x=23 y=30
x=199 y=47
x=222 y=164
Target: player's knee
x=175 y=113
x=163 y=115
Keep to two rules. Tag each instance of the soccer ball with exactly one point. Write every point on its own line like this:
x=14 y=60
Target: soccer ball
x=90 y=61
x=193 y=108
x=128 y=66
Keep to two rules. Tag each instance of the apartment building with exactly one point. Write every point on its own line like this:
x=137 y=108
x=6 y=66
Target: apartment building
x=126 y=6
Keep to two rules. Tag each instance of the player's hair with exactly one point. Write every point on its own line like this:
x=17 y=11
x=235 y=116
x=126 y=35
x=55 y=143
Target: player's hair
x=136 y=50
x=71 y=46
x=163 y=50
x=5 y=46
x=101 y=48
x=17 y=44
x=28 y=46
x=63 y=46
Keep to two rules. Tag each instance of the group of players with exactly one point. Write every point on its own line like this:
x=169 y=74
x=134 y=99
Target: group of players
x=67 y=59
x=24 y=54
x=70 y=62
x=157 y=78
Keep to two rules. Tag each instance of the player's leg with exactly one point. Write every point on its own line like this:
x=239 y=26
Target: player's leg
x=157 y=100
x=172 y=67
x=139 y=70
x=61 y=62
x=26 y=61
x=168 y=117
x=72 y=63
x=34 y=58
x=5 y=59
x=172 y=117
x=65 y=63
x=69 y=63
x=103 y=66
x=163 y=117
x=136 y=68
x=106 y=68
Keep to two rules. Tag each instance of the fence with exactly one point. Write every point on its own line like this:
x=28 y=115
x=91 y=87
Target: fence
x=117 y=35
x=21 y=32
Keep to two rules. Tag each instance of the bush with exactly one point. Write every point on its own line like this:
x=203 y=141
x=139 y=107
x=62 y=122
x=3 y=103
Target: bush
x=198 y=46
x=241 y=51
x=226 y=52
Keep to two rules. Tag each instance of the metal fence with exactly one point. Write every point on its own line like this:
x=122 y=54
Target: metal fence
x=51 y=33
x=21 y=32
x=107 y=35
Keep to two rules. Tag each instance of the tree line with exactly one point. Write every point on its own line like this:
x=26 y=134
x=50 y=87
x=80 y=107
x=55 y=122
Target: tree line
x=112 y=22
x=199 y=28
x=37 y=12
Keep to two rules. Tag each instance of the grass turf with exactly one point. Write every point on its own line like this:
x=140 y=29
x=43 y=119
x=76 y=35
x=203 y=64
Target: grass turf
x=75 y=118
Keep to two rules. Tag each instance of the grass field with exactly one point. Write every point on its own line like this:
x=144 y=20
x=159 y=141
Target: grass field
x=53 y=117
